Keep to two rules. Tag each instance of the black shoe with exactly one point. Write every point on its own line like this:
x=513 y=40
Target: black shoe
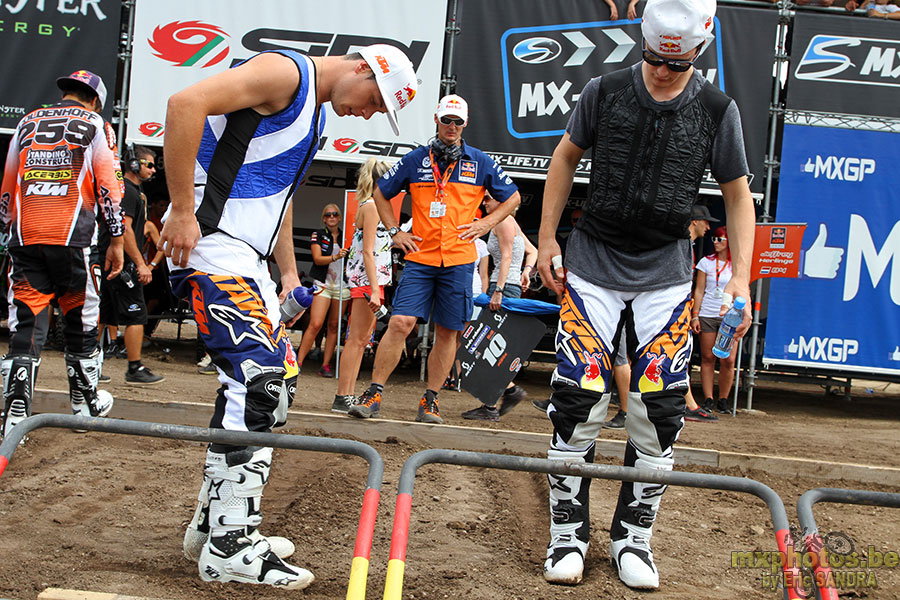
x=541 y=405
x=341 y=403
x=709 y=405
x=451 y=383
x=617 y=422
x=482 y=413
x=511 y=397
x=143 y=376
x=723 y=406
x=699 y=415
x=104 y=378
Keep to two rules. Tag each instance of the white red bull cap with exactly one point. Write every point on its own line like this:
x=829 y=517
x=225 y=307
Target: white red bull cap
x=454 y=106
x=83 y=79
x=395 y=76
x=672 y=27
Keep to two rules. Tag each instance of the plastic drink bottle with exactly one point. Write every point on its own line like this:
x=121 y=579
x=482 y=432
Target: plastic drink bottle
x=730 y=323
x=383 y=313
x=297 y=301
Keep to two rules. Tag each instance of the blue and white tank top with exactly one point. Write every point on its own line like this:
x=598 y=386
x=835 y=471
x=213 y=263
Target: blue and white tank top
x=249 y=164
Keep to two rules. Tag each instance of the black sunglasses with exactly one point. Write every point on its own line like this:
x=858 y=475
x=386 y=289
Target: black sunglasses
x=676 y=66
x=332 y=214
x=147 y=163
x=452 y=121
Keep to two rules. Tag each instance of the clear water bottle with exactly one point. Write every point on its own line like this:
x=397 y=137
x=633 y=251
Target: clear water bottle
x=297 y=301
x=730 y=323
x=383 y=313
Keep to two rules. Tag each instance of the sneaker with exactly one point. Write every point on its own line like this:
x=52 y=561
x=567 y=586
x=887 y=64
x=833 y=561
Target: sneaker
x=341 y=403
x=205 y=361
x=709 y=405
x=428 y=411
x=209 y=369
x=617 y=422
x=326 y=371
x=482 y=413
x=541 y=405
x=511 y=397
x=723 y=406
x=451 y=383
x=366 y=406
x=699 y=415
x=143 y=376
x=251 y=561
x=633 y=560
x=104 y=378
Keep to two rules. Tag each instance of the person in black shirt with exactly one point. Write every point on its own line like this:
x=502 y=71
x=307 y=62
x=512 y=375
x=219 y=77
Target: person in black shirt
x=122 y=298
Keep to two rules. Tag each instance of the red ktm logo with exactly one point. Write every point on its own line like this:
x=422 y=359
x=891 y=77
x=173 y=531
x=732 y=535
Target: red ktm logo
x=190 y=43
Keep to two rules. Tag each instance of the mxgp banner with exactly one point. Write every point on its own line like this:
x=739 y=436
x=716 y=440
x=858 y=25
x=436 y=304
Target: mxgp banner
x=844 y=65
x=843 y=312
x=45 y=40
x=522 y=64
x=776 y=250
x=178 y=43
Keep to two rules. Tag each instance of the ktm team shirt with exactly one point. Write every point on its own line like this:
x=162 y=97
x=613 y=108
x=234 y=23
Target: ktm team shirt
x=61 y=169
x=472 y=174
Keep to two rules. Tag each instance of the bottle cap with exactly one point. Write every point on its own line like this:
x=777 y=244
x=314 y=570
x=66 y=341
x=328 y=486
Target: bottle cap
x=740 y=303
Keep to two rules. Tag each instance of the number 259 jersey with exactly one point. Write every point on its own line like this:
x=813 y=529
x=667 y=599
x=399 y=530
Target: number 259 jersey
x=60 y=170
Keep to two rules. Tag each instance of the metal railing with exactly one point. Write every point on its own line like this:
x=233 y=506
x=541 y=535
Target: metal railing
x=356 y=589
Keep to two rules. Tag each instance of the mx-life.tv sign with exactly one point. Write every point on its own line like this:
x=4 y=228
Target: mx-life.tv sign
x=546 y=67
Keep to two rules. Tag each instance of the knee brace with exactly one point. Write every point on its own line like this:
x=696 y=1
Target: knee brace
x=577 y=416
x=655 y=420
x=19 y=374
x=267 y=400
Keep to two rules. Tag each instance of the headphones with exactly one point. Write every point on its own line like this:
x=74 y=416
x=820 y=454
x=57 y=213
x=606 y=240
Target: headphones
x=445 y=153
x=131 y=159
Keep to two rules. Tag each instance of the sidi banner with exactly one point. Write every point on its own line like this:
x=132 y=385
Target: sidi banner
x=844 y=65
x=843 y=312
x=178 y=43
x=42 y=41
x=546 y=52
x=776 y=250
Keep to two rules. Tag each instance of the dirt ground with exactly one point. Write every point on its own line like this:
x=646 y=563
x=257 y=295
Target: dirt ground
x=106 y=512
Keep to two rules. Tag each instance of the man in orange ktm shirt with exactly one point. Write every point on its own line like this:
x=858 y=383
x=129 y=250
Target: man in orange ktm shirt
x=61 y=170
x=446 y=181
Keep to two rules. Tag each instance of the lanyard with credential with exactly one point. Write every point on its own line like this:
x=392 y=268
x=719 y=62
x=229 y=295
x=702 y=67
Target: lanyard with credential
x=439 y=180
x=718 y=270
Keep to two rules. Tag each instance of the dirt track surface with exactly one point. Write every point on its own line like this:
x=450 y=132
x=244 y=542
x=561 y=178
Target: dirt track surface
x=107 y=512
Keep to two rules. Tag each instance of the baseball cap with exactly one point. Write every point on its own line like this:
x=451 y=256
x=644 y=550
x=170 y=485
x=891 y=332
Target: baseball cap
x=677 y=26
x=82 y=79
x=395 y=77
x=701 y=213
x=452 y=105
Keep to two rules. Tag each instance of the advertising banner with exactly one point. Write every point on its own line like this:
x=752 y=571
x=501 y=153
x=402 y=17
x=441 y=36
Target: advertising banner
x=178 y=43
x=45 y=40
x=492 y=350
x=351 y=205
x=541 y=54
x=776 y=250
x=843 y=312
x=844 y=65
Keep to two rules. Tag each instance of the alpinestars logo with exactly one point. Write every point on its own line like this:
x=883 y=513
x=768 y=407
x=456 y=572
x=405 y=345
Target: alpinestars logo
x=190 y=43
x=864 y=61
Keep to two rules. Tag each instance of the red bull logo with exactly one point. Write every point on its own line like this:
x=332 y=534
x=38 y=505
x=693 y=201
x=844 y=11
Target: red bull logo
x=410 y=93
x=651 y=380
x=81 y=76
x=669 y=47
x=593 y=374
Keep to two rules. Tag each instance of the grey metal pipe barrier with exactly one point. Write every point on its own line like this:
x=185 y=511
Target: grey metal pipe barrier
x=356 y=589
x=396 y=565
x=823 y=578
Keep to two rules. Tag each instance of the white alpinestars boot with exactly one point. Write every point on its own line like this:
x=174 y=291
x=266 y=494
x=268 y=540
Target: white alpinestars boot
x=569 y=521
x=197 y=531
x=83 y=370
x=19 y=374
x=234 y=550
x=632 y=526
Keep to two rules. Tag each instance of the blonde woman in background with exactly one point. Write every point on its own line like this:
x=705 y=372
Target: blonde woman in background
x=368 y=271
x=327 y=271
